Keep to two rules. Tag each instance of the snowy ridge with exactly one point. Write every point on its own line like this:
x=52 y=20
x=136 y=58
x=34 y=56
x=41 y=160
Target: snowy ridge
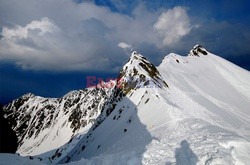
x=43 y=124
x=195 y=111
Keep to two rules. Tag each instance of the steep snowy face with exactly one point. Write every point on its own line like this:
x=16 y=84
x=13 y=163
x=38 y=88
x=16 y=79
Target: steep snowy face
x=119 y=112
x=190 y=122
x=198 y=50
x=216 y=84
x=43 y=124
x=139 y=73
x=213 y=98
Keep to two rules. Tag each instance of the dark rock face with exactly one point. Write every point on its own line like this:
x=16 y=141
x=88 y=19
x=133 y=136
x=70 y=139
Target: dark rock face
x=8 y=138
x=198 y=50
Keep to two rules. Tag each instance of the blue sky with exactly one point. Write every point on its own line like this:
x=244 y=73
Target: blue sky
x=49 y=47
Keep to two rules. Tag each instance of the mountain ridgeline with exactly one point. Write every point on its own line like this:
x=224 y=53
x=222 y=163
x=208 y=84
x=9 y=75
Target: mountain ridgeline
x=199 y=101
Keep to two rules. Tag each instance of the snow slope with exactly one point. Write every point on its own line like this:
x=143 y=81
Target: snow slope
x=15 y=159
x=189 y=110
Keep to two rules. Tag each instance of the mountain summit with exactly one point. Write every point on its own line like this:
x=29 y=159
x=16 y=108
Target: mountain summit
x=185 y=111
x=198 y=50
x=138 y=72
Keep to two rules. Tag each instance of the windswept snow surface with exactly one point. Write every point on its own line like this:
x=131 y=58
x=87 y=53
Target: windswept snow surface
x=201 y=116
x=11 y=159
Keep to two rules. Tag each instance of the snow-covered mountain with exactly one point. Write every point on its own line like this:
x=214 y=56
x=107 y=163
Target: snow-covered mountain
x=189 y=110
x=44 y=124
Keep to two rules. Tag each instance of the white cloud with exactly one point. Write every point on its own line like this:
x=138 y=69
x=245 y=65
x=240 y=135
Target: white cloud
x=81 y=36
x=172 y=25
x=124 y=45
x=44 y=26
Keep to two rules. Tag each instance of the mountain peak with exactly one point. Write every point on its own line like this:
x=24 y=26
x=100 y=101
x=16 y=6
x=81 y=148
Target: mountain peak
x=134 y=53
x=138 y=64
x=28 y=95
x=139 y=70
x=136 y=56
x=197 y=51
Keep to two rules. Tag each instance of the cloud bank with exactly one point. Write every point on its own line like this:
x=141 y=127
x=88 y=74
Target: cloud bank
x=82 y=36
x=62 y=35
